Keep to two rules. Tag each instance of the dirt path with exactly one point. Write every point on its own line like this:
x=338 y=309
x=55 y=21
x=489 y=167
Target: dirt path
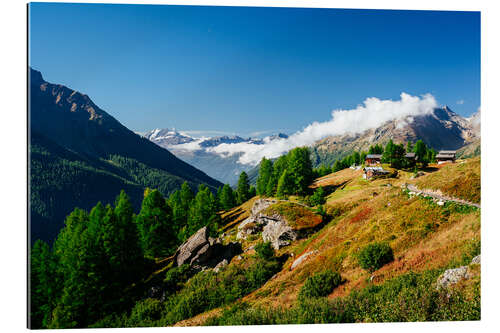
x=441 y=197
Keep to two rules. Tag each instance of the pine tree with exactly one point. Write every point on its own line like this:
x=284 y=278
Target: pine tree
x=398 y=159
x=265 y=173
x=129 y=249
x=377 y=149
x=187 y=195
x=420 y=150
x=179 y=214
x=227 y=198
x=271 y=186
x=242 y=191
x=279 y=166
x=300 y=169
x=80 y=264
x=388 y=152
x=363 y=157
x=252 y=192
x=203 y=212
x=285 y=185
x=155 y=226
x=218 y=198
x=431 y=155
x=356 y=158
x=44 y=284
x=409 y=147
x=337 y=166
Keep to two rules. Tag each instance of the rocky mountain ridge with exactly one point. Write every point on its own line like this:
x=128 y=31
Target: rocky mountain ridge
x=443 y=129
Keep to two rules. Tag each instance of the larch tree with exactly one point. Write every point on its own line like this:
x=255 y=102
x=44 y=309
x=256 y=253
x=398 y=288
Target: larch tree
x=265 y=173
x=155 y=226
x=227 y=199
x=285 y=185
x=243 y=189
x=300 y=169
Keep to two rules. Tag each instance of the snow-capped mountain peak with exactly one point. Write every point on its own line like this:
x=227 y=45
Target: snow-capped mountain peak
x=167 y=137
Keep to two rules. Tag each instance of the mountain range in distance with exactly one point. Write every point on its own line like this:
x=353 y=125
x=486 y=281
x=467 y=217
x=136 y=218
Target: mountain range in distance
x=440 y=129
x=79 y=155
x=200 y=152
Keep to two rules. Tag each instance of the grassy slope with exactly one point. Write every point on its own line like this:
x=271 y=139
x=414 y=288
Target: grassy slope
x=422 y=234
x=461 y=180
x=296 y=215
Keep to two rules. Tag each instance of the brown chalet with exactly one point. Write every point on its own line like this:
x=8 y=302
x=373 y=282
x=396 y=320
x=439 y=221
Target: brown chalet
x=446 y=156
x=373 y=159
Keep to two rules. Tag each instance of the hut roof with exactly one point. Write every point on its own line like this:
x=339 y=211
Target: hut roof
x=374 y=156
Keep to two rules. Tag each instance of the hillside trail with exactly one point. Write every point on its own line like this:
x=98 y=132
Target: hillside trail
x=441 y=197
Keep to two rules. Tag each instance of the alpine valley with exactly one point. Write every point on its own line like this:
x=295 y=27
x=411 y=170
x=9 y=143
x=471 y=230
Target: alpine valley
x=80 y=155
x=130 y=234
x=201 y=152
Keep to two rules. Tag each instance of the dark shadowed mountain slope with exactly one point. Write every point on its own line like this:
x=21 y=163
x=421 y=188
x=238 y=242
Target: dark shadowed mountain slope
x=81 y=155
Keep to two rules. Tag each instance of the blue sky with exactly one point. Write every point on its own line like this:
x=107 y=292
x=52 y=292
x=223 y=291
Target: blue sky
x=246 y=70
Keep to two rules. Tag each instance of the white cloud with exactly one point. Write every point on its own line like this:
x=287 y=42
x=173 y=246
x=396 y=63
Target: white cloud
x=475 y=118
x=373 y=113
x=189 y=146
x=460 y=102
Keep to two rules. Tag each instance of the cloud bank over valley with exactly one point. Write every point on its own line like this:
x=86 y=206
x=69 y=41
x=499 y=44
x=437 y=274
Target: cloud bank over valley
x=373 y=113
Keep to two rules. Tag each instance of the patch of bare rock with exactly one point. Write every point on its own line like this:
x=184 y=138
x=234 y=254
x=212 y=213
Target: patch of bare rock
x=302 y=258
x=454 y=275
x=274 y=227
x=201 y=251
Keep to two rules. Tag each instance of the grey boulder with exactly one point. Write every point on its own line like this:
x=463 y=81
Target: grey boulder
x=277 y=231
x=453 y=276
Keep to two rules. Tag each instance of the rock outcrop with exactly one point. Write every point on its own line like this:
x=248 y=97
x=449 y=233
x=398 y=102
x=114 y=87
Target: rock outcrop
x=453 y=276
x=202 y=251
x=277 y=231
x=302 y=258
x=476 y=260
x=255 y=222
x=196 y=245
x=274 y=228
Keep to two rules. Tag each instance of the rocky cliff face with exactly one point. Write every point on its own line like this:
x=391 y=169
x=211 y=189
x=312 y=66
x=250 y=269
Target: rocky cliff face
x=442 y=129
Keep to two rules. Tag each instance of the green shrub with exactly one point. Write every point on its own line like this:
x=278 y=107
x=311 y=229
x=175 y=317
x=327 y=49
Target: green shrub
x=318 y=198
x=320 y=210
x=176 y=277
x=310 y=311
x=320 y=284
x=472 y=249
x=264 y=250
x=375 y=255
x=208 y=290
x=145 y=313
x=409 y=297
